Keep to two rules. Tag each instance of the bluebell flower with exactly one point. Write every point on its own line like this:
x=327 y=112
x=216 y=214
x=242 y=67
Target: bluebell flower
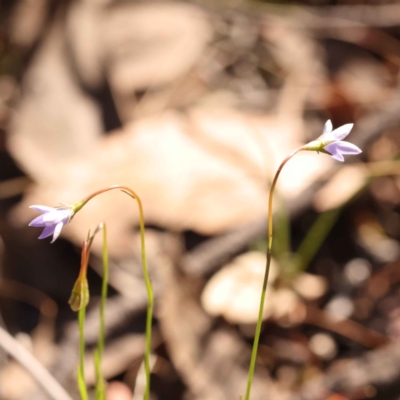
x=330 y=142
x=52 y=219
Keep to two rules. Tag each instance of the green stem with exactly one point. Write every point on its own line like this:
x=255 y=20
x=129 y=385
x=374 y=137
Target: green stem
x=149 y=289
x=104 y=288
x=81 y=369
x=267 y=267
x=100 y=385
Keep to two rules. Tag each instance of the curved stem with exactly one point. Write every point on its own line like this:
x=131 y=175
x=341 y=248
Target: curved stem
x=147 y=281
x=267 y=267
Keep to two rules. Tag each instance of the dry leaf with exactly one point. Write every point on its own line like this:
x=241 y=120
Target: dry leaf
x=175 y=174
x=206 y=170
x=234 y=291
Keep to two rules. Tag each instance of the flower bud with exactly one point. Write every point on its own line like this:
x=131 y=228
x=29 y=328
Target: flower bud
x=80 y=294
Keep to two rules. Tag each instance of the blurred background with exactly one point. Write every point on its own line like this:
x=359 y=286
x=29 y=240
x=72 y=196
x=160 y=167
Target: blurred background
x=194 y=105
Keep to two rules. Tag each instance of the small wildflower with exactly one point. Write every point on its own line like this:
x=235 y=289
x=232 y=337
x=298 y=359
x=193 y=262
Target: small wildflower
x=330 y=142
x=52 y=219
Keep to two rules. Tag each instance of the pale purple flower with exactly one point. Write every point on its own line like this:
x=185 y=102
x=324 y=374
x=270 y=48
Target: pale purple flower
x=331 y=142
x=52 y=219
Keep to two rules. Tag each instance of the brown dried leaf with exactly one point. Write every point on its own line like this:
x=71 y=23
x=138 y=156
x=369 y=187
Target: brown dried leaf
x=208 y=182
x=204 y=171
x=234 y=291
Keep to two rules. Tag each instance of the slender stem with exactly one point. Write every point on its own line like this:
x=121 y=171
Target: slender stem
x=81 y=322
x=78 y=301
x=267 y=267
x=147 y=281
x=81 y=369
x=100 y=385
x=103 y=292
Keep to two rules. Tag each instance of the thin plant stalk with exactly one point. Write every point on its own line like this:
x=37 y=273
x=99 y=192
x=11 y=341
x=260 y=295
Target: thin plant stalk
x=78 y=302
x=81 y=368
x=98 y=355
x=150 y=295
x=81 y=321
x=267 y=268
x=149 y=288
x=104 y=288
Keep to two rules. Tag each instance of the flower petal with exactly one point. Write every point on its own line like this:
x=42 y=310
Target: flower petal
x=341 y=132
x=47 y=231
x=334 y=151
x=328 y=127
x=347 y=148
x=57 y=231
x=38 y=221
x=42 y=209
x=56 y=216
x=338 y=157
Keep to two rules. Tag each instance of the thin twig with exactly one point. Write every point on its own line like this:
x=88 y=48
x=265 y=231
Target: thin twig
x=345 y=327
x=33 y=366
